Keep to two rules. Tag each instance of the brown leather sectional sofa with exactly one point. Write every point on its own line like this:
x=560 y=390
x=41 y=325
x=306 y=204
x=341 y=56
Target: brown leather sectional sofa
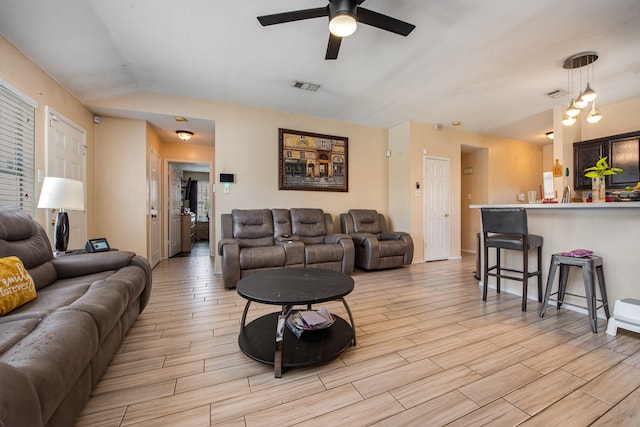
x=54 y=349
x=262 y=239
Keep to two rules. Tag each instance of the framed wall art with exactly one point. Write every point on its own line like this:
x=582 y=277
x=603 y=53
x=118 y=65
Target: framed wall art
x=312 y=162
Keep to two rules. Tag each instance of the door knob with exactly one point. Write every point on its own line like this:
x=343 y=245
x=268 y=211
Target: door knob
x=446 y=215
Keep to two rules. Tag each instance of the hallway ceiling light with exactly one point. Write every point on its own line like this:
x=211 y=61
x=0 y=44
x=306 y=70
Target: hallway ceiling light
x=184 y=135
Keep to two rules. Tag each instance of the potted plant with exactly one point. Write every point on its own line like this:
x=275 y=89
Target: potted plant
x=597 y=174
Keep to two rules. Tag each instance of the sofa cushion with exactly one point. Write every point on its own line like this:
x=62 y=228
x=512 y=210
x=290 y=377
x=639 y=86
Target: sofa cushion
x=366 y=221
x=54 y=355
x=308 y=225
x=16 y=285
x=23 y=237
x=253 y=227
x=316 y=254
x=263 y=257
x=392 y=248
x=107 y=300
x=16 y=329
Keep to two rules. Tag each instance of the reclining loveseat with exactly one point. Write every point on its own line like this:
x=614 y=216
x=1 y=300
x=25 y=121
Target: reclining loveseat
x=54 y=348
x=263 y=239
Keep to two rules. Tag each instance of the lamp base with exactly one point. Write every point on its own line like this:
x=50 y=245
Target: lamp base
x=61 y=235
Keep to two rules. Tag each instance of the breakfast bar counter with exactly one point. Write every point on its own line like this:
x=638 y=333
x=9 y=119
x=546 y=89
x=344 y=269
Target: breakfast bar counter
x=611 y=230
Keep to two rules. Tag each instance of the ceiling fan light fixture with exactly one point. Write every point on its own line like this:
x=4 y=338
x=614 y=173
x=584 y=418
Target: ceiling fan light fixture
x=343 y=24
x=184 y=135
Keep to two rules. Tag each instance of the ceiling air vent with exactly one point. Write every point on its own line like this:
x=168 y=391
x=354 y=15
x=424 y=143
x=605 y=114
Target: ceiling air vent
x=557 y=93
x=307 y=86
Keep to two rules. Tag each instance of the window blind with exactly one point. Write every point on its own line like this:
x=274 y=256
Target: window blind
x=17 y=130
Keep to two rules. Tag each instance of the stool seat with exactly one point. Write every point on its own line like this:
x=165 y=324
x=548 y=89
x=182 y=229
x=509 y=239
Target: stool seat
x=513 y=241
x=591 y=266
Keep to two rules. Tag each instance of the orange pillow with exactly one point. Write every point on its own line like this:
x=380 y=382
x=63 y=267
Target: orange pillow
x=16 y=285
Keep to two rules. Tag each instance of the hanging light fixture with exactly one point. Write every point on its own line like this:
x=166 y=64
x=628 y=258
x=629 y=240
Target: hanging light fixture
x=577 y=62
x=184 y=135
x=594 y=115
x=342 y=17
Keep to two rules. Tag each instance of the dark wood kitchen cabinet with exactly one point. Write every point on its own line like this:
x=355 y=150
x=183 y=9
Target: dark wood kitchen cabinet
x=623 y=151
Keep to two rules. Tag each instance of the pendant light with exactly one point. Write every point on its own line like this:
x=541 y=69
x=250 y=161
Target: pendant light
x=577 y=62
x=594 y=115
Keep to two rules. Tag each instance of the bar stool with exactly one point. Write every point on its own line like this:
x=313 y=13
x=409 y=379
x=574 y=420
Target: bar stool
x=506 y=228
x=591 y=266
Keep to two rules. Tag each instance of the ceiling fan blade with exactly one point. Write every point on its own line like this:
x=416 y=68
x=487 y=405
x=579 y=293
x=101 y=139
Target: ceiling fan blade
x=296 y=15
x=333 y=47
x=384 y=22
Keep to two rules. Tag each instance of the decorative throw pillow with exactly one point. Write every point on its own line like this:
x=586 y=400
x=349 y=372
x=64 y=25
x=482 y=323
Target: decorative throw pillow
x=16 y=285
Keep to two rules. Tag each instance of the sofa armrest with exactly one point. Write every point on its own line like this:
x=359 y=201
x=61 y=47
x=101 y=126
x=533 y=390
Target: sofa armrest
x=82 y=264
x=20 y=404
x=393 y=235
x=223 y=242
x=229 y=251
x=359 y=239
x=405 y=237
x=334 y=239
x=293 y=249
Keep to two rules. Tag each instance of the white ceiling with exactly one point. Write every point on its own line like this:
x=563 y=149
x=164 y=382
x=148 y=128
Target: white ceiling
x=488 y=64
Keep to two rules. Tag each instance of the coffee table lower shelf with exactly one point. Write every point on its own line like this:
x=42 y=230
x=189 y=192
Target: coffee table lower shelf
x=257 y=340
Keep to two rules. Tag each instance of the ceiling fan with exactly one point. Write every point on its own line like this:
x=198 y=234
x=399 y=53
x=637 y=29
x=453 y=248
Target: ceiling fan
x=343 y=18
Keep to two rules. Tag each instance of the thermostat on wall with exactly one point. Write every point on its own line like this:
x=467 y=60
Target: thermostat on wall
x=227 y=177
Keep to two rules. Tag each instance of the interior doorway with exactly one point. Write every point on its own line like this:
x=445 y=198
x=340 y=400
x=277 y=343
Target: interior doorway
x=66 y=152
x=190 y=208
x=474 y=190
x=437 y=218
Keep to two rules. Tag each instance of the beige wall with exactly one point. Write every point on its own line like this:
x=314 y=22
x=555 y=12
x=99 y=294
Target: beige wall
x=474 y=190
x=247 y=145
x=513 y=167
x=121 y=183
x=24 y=75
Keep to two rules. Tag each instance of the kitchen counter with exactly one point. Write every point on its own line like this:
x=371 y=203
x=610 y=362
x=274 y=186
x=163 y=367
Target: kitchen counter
x=611 y=230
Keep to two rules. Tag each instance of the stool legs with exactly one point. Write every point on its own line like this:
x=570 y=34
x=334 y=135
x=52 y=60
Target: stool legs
x=553 y=267
x=603 y=290
x=591 y=268
x=588 y=275
x=539 y=273
x=525 y=277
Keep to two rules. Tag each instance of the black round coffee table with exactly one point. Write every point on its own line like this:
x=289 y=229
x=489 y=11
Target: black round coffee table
x=267 y=340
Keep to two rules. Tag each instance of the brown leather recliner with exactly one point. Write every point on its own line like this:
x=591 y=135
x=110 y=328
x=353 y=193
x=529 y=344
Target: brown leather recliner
x=248 y=245
x=376 y=247
x=322 y=247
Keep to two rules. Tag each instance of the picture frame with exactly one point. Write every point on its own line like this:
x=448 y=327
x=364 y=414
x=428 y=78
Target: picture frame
x=312 y=162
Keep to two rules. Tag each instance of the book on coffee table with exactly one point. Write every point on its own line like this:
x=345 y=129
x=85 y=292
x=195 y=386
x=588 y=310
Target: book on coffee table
x=300 y=322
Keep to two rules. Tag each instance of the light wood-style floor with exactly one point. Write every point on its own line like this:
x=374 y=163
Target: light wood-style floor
x=429 y=352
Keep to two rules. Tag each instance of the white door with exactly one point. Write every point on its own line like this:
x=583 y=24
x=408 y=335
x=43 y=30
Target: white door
x=175 y=203
x=436 y=207
x=66 y=148
x=155 y=227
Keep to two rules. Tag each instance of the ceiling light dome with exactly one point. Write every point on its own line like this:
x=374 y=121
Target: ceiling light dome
x=184 y=135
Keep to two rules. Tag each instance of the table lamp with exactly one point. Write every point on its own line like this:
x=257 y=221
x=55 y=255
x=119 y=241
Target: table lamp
x=62 y=194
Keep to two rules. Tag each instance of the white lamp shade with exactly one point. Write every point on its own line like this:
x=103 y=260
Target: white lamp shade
x=62 y=193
